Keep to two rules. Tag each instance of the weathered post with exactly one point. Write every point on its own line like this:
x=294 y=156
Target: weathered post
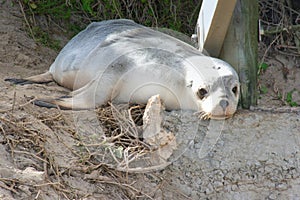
x=240 y=48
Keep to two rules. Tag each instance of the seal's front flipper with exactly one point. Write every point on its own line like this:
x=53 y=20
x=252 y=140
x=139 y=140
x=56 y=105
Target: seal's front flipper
x=41 y=78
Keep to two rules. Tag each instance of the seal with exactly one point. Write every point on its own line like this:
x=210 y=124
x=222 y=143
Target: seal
x=122 y=61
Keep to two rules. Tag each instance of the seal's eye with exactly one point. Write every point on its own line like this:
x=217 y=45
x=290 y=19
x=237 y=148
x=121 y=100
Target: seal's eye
x=202 y=93
x=234 y=90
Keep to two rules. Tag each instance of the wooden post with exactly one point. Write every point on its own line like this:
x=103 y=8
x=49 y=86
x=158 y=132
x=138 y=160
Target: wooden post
x=240 y=48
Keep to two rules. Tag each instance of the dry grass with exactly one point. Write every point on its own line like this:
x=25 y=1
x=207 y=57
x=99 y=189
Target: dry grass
x=280 y=23
x=26 y=130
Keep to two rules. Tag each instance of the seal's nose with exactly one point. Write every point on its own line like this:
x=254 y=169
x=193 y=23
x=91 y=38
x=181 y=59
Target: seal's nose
x=224 y=103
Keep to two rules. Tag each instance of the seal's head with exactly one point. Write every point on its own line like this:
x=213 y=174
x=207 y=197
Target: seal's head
x=215 y=85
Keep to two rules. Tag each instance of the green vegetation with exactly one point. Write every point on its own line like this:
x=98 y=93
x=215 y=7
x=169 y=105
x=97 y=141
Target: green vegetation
x=289 y=98
x=44 y=38
x=263 y=89
x=262 y=67
x=74 y=15
x=56 y=8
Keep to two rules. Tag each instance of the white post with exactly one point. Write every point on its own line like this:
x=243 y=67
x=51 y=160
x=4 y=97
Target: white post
x=213 y=22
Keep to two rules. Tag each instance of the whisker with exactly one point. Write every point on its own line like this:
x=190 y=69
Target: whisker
x=203 y=115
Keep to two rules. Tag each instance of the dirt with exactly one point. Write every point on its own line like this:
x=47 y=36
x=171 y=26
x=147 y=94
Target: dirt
x=54 y=154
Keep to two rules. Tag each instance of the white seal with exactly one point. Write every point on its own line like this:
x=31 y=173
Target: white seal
x=121 y=61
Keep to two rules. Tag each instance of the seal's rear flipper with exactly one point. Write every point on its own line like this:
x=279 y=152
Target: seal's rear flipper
x=50 y=103
x=81 y=99
x=18 y=81
x=42 y=103
x=41 y=78
x=63 y=103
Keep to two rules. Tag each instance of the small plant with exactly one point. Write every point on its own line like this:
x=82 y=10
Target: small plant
x=289 y=98
x=262 y=67
x=263 y=89
x=88 y=7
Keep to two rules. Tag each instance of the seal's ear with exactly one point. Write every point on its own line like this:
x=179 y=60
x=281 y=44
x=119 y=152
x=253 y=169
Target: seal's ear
x=190 y=84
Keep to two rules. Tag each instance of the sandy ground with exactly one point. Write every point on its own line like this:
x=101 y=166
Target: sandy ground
x=254 y=155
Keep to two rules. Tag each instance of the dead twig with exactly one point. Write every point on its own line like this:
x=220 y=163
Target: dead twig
x=26 y=21
x=4 y=186
x=31 y=154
